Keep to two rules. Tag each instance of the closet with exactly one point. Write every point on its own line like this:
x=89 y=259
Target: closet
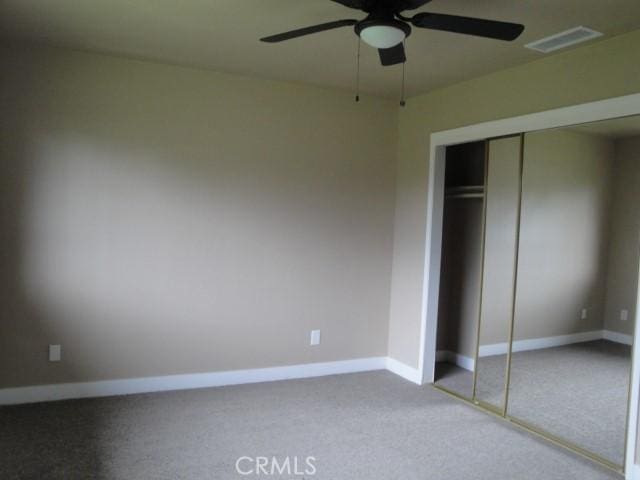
x=461 y=264
x=538 y=281
x=477 y=268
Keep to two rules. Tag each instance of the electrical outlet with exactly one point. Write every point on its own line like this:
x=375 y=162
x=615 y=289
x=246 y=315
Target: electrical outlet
x=315 y=338
x=583 y=315
x=55 y=353
x=624 y=315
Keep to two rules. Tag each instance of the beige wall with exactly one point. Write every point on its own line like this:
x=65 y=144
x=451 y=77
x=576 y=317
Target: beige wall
x=564 y=235
x=602 y=70
x=249 y=193
x=500 y=239
x=622 y=269
x=159 y=220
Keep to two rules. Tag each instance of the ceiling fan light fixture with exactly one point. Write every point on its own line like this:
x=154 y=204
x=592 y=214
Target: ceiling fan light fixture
x=383 y=35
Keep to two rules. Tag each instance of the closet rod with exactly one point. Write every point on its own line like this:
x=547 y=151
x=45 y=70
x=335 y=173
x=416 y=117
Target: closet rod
x=464 y=195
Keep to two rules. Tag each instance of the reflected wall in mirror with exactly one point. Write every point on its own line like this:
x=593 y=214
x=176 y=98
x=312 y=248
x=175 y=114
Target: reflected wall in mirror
x=498 y=272
x=577 y=284
x=460 y=267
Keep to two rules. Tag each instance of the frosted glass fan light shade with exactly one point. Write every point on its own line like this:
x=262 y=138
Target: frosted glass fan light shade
x=382 y=36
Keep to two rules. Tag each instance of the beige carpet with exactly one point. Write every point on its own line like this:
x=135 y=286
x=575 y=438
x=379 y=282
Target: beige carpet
x=369 y=426
x=578 y=392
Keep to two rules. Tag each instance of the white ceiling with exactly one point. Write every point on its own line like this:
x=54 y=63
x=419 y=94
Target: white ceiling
x=223 y=35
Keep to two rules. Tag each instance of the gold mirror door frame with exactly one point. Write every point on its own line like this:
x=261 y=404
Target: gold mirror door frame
x=501 y=230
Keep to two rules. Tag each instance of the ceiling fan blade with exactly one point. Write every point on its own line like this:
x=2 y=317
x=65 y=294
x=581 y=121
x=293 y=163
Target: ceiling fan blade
x=412 y=4
x=357 y=4
x=280 y=37
x=393 y=55
x=469 y=26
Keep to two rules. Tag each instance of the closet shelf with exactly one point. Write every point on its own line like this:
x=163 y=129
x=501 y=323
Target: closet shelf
x=469 y=191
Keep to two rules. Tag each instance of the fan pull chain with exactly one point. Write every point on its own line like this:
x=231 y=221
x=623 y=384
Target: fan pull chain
x=404 y=65
x=358 y=71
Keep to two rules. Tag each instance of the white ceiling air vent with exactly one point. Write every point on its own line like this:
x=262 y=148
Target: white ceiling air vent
x=563 y=39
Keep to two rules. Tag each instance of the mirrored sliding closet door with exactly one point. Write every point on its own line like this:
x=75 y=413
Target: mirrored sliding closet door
x=539 y=281
x=577 y=285
x=498 y=271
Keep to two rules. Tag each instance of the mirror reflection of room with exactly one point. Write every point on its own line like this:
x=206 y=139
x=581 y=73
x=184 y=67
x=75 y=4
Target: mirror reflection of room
x=498 y=270
x=577 y=284
x=477 y=268
x=461 y=260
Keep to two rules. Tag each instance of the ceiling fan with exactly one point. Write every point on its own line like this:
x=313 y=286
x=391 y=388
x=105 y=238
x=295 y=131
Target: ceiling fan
x=385 y=28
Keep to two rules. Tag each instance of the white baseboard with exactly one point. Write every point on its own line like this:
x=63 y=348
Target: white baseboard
x=461 y=361
x=545 y=342
x=532 y=344
x=44 y=393
x=403 y=370
x=104 y=388
x=617 y=337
